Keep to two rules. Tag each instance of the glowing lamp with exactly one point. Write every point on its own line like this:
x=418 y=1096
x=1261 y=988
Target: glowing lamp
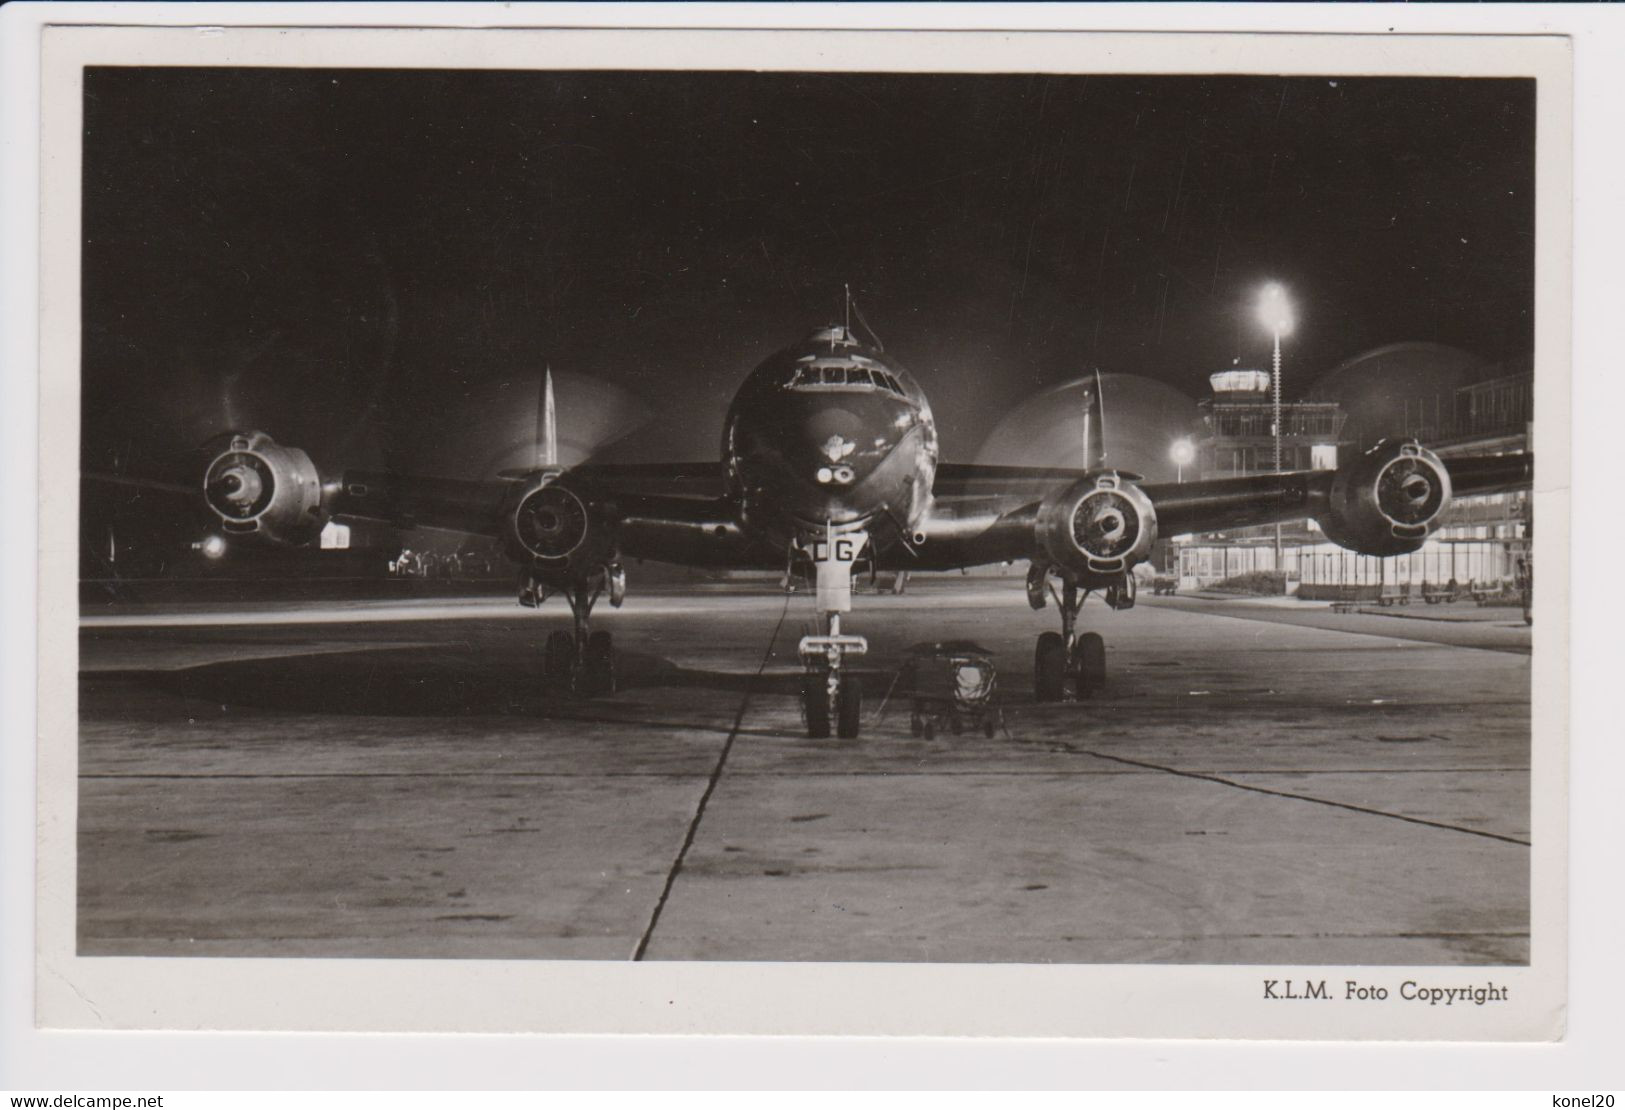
x=1274 y=310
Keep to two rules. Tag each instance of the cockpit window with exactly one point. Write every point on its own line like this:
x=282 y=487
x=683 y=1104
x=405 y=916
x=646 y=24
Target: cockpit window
x=848 y=373
x=840 y=372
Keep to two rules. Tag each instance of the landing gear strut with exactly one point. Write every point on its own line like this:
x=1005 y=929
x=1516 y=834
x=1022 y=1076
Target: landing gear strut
x=1065 y=657
x=828 y=691
x=581 y=662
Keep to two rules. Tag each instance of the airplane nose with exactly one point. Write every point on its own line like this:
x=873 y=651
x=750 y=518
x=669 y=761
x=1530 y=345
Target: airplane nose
x=830 y=438
x=838 y=444
x=822 y=455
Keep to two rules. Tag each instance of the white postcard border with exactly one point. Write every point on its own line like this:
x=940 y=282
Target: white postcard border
x=848 y=999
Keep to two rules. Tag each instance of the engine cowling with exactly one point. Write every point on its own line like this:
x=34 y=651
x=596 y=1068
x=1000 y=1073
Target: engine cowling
x=553 y=527
x=257 y=487
x=1099 y=526
x=1388 y=501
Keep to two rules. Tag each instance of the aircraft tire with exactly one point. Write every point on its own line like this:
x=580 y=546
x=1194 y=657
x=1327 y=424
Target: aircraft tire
x=1049 y=667
x=1091 y=664
x=598 y=665
x=815 y=704
x=849 y=708
x=559 y=658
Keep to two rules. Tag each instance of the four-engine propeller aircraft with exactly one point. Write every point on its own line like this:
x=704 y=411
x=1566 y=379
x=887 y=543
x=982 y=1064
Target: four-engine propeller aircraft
x=830 y=466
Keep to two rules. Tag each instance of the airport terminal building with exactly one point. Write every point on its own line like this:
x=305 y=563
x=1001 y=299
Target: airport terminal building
x=1483 y=544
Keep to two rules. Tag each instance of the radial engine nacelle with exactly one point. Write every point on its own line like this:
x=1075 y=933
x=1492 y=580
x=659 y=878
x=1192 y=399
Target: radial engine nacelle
x=1098 y=527
x=1388 y=501
x=553 y=527
x=257 y=487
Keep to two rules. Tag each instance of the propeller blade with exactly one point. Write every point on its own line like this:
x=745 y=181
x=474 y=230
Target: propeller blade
x=563 y=420
x=1095 y=433
x=1047 y=429
x=547 y=425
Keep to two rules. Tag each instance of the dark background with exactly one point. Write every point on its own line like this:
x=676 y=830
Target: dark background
x=376 y=265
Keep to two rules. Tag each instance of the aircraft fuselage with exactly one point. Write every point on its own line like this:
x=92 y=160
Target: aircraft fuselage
x=830 y=433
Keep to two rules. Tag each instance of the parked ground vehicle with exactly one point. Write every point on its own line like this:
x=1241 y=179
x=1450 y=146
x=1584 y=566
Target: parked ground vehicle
x=1434 y=594
x=1394 y=593
x=953 y=683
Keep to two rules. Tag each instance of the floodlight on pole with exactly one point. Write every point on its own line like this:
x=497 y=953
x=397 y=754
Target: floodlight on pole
x=1275 y=311
x=1183 y=452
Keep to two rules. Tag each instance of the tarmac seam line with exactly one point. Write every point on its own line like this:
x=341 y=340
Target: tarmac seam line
x=1306 y=798
x=710 y=788
x=1396 y=634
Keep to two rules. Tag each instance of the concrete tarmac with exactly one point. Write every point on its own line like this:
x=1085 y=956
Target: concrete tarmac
x=392 y=779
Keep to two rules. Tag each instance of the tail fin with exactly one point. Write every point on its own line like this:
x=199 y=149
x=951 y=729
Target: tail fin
x=547 y=424
x=1094 y=425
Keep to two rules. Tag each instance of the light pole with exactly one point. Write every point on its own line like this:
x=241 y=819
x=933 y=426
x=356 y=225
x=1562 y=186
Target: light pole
x=1183 y=452
x=1275 y=311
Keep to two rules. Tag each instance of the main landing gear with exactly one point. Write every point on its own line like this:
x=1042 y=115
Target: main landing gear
x=581 y=662
x=1066 y=659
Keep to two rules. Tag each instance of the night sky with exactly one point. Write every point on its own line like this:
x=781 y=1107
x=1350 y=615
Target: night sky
x=375 y=264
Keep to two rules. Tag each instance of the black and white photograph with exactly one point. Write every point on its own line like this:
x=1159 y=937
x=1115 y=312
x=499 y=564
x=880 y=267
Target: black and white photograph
x=763 y=514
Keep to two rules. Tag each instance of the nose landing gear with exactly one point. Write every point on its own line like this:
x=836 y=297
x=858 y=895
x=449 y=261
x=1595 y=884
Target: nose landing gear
x=828 y=692
x=1067 y=658
x=581 y=662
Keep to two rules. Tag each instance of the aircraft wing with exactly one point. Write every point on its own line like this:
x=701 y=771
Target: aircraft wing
x=993 y=514
x=458 y=505
x=672 y=513
x=1384 y=502
x=414 y=501
x=970 y=481
x=1222 y=503
x=985 y=514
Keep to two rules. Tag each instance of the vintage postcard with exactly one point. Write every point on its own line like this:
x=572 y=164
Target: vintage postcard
x=804 y=532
